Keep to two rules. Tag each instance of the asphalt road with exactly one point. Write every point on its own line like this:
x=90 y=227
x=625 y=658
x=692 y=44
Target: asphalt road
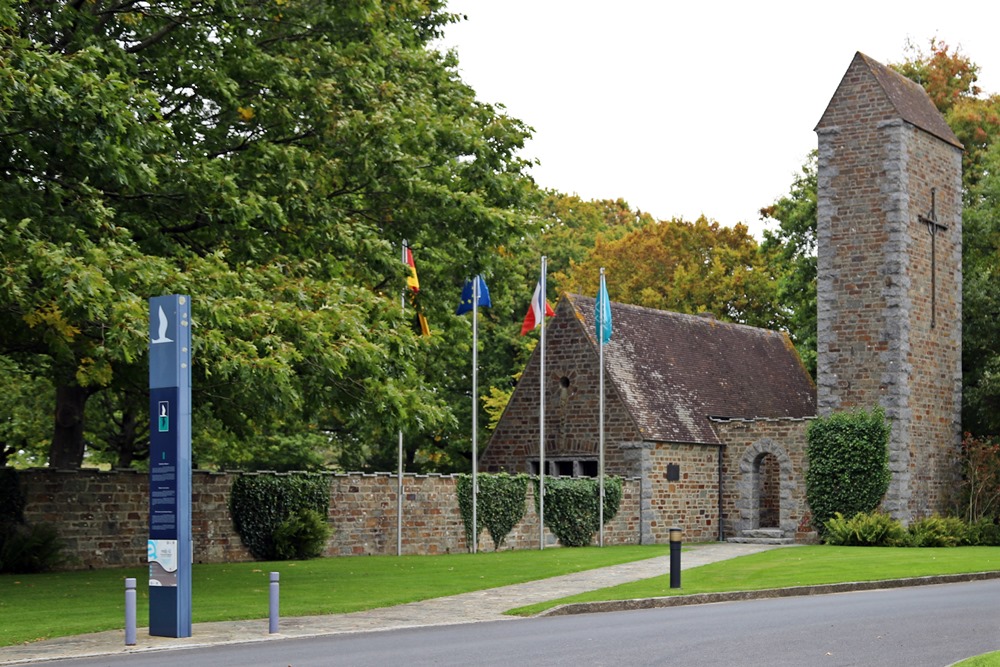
x=911 y=627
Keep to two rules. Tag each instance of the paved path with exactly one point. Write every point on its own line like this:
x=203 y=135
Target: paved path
x=487 y=605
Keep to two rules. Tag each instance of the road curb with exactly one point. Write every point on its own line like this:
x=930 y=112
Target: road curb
x=794 y=591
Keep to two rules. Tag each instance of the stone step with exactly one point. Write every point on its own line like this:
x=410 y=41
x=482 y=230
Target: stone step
x=762 y=536
x=761 y=540
x=763 y=532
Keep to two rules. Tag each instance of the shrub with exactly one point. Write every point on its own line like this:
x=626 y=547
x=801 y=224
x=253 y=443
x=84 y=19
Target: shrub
x=302 y=535
x=571 y=510
x=24 y=549
x=30 y=549
x=938 y=531
x=985 y=532
x=979 y=492
x=848 y=464
x=499 y=504
x=260 y=504
x=11 y=497
x=865 y=529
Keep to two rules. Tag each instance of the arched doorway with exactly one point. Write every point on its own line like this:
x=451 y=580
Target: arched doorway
x=764 y=496
x=767 y=472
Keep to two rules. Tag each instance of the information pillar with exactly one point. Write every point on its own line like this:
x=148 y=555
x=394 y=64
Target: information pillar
x=169 y=549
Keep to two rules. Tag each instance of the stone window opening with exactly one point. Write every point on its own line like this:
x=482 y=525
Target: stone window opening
x=566 y=467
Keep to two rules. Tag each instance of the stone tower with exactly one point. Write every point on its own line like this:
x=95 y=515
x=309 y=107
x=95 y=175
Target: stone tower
x=889 y=289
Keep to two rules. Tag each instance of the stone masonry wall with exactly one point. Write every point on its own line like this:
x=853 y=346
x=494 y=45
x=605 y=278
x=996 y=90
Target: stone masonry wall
x=692 y=501
x=104 y=516
x=572 y=404
x=880 y=341
x=747 y=443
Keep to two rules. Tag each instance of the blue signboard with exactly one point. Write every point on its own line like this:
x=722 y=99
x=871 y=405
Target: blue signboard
x=170 y=547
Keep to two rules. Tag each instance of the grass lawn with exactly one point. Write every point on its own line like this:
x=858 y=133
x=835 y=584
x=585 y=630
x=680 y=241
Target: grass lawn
x=985 y=660
x=42 y=606
x=797 y=566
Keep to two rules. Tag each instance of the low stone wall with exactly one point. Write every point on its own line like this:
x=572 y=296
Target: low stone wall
x=104 y=516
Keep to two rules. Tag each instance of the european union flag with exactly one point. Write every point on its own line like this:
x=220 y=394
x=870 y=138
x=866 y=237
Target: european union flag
x=484 y=296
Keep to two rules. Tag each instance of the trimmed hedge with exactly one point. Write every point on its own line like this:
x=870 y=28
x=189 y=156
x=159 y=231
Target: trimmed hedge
x=500 y=504
x=571 y=509
x=268 y=512
x=848 y=464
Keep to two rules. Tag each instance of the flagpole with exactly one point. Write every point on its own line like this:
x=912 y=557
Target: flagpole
x=475 y=407
x=541 y=417
x=600 y=462
x=399 y=452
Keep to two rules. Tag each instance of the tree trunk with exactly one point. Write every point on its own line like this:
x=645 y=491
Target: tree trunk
x=67 y=437
x=127 y=438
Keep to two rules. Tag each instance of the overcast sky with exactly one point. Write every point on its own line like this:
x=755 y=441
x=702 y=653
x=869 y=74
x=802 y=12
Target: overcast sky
x=690 y=108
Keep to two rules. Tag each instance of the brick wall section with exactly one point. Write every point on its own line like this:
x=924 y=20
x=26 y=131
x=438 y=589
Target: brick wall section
x=876 y=344
x=104 y=516
x=572 y=405
x=692 y=502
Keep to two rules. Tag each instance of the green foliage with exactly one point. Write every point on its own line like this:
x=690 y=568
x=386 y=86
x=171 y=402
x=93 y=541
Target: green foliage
x=688 y=267
x=981 y=298
x=571 y=507
x=279 y=453
x=864 y=529
x=27 y=549
x=262 y=504
x=877 y=529
x=939 y=531
x=791 y=249
x=848 y=464
x=11 y=497
x=979 y=491
x=267 y=159
x=500 y=504
x=24 y=549
x=302 y=535
x=984 y=532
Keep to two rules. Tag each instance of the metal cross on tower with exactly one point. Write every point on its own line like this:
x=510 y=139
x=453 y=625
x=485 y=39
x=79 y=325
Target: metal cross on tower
x=932 y=228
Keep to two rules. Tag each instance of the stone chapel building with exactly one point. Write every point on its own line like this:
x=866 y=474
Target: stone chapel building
x=712 y=416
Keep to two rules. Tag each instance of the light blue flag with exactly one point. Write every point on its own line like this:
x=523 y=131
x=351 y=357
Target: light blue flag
x=484 y=296
x=602 y=313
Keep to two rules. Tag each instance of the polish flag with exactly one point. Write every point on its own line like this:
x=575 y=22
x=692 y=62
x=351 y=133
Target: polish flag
x=534 y=316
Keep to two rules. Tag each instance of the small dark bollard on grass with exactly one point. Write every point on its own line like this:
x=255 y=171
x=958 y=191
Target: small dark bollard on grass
x=676 y=535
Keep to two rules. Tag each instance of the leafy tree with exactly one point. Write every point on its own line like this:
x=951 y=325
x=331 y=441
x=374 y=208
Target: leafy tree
x=25 y=424
x=981 y=301
x=792 y=247
x=950 y=77
x=687 y=267
x=264 y=158
x=571 y=227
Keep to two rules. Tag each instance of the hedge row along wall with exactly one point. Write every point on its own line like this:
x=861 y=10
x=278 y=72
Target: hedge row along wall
x=103 y=516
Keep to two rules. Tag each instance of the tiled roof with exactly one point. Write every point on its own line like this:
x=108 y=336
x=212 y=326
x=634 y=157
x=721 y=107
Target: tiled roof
x=674 y=372
x=908 y=98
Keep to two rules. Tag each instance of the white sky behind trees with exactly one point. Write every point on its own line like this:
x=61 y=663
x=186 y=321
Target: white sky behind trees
x=690 y=108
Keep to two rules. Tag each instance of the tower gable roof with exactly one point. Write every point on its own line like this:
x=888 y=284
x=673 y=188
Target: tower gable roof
x=908 y=98
x=674 y=372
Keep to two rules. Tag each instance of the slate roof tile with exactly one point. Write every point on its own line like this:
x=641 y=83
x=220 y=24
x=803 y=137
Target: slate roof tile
x=674 y=372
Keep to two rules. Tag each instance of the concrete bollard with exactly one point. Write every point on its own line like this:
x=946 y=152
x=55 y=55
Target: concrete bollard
x=130 y=612
x=676 y=535
x=273 y=604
